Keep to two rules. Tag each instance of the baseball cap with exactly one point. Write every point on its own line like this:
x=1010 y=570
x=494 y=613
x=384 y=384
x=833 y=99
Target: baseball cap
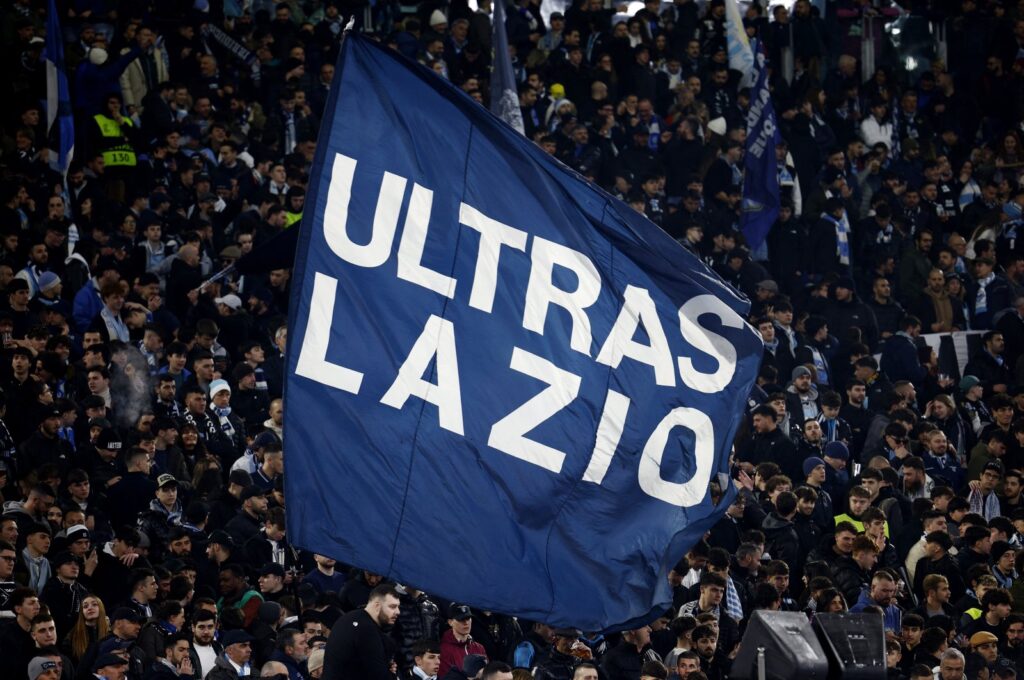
x=166 y=480
x=39 y=665
x=252 y=491
x=272 y=569
x=231 y=300
x=459 y=612
x=769 y=286
x=568 y=632
x=126 y=614
x=473 y=664
x=63 y=558
x=265 y=438
x=223 y=538
x=109 y=440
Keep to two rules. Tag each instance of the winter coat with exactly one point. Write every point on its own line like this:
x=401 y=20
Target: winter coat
x=453 y=652
x=356 y=649
x=133 y=79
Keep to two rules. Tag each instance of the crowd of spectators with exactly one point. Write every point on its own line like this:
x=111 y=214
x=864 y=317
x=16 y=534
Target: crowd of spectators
x=143 y=531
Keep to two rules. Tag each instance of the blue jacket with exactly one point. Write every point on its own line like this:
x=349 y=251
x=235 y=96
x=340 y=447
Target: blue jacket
x=892 y=617
x=87 y=305
x=294 y=672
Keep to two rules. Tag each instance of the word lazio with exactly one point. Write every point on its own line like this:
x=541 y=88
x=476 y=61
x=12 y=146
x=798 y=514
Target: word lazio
x=437 y=342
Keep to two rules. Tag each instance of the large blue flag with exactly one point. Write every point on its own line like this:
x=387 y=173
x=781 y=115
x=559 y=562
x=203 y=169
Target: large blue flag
x=761 y=178
x=58 y=96
x=504 y=386
x=504 y=94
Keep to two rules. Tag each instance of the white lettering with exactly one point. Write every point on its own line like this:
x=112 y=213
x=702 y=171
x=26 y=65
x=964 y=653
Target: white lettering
x=508 y=434
x=410 y=248
x=609 y=433
x=313 y=362
x=493 y=235
x=385 y=219
x=436 y=340
x=541 y=291
x=638 y=308
x=712 y=344
x=690 y=492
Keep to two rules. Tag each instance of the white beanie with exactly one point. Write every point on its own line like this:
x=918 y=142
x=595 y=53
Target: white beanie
x=718 y=126
x=438 y=17
x=98 y=56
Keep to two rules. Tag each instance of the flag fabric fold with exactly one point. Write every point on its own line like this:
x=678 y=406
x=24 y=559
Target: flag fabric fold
x=58 y=95
x=761 y=179
x=741 y=56
x=504 y=94
x=505 y=387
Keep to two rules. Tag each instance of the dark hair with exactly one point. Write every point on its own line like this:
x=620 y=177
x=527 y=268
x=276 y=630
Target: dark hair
x=499 y=667
x=383 y=590
x=785 y=503
x=137 y=576
x=201 y=615
x=704 y=632
x=426 y=647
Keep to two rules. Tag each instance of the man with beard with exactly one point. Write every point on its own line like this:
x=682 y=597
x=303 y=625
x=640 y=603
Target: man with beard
x=882 y=594
x=810 y=443
x=916 y=482
x=358 y=648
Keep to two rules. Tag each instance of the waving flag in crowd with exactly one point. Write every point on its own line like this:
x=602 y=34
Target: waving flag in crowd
x=504 y=99
x=518 y=399
x=58 y=96
x=761 y=179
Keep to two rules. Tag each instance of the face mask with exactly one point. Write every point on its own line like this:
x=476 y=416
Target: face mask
x=98 y=56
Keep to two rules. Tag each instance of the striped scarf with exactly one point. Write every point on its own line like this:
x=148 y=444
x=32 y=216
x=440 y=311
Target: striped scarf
x=842 y=237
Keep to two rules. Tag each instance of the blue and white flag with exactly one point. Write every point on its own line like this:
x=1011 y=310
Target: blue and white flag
x=504 y=94
x=504 y=386
x=741 y=57
x=761 y=179
x=58 y=96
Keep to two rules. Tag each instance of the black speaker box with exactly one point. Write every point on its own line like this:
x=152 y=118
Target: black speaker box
x=855 y=645
x=791 y=649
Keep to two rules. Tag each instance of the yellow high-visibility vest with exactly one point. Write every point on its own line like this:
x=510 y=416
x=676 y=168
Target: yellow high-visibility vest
x=118 y=151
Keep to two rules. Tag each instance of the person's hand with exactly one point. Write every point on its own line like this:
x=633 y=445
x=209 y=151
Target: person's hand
x=154 y=303
x=185 y=667
x=90 y=562
x=745 y=481
x=113 y=480
x=129 y=559
x=581 y=651
x=879 y=542
x=193 y=296
x=974 y=485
